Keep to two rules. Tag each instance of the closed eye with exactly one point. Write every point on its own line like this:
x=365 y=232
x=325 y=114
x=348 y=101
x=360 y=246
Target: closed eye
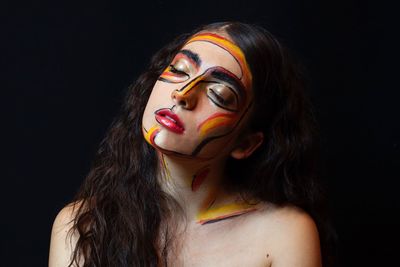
x=173 y=74
x=176 y=71
x=217 y=97
x=223 y=96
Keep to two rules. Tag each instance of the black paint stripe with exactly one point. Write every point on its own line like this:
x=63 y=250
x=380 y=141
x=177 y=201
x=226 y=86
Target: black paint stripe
x=207 y=140
x=240 y=66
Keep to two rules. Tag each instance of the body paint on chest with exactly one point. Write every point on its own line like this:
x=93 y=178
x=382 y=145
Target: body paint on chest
x=214 y=214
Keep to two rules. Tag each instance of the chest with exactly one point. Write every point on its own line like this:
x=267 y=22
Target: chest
x=221 y=245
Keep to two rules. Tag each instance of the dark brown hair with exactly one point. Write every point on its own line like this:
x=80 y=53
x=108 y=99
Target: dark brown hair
x=121 y=206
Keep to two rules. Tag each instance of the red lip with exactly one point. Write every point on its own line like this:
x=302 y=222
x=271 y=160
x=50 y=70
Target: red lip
x=169 y=120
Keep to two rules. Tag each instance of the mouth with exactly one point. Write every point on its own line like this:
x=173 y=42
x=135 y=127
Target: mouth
x=169 y=120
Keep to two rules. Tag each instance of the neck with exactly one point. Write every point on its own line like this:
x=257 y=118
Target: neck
x=198 y=187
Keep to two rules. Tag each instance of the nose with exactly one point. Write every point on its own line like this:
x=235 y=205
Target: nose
x=185 y=99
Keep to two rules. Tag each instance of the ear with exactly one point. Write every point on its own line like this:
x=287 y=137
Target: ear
x=248 y=145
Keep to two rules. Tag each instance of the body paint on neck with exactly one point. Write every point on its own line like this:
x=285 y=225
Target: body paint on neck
x=199 y=177
x=211 y=212
x=164 y=166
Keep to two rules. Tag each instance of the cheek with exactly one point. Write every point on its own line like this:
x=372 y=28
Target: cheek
x=217 y=124
x=160 y=97
x=161 y=93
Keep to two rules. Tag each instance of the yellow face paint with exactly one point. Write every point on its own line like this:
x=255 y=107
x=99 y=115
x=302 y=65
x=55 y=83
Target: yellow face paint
x=150 y=134
x=209 y=75
x=214 y=121
x=230 y=47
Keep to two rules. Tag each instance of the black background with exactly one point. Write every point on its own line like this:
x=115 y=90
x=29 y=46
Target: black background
x=67 y=66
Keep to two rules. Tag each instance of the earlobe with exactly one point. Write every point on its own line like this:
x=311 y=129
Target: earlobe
x=248 y=145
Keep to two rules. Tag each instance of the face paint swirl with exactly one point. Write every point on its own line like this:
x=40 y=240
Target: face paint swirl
x=198 y=103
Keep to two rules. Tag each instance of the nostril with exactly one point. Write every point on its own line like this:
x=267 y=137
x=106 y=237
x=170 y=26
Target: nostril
x=181 y=100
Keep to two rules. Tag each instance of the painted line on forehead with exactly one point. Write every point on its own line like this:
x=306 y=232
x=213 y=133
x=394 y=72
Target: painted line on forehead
x=228 y=46
x=209 y=139
x=215 y=120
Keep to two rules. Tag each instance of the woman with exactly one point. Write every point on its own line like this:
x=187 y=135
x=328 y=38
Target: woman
x=211 y=162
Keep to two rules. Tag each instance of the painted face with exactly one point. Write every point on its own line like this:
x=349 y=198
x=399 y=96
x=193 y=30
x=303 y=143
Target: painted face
x=200 y=101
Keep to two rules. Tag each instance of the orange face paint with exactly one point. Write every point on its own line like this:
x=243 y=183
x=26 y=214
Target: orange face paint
x=208 y=75
x=172 y=77
x=214 y=121
x=231 y=48
x=151 y=133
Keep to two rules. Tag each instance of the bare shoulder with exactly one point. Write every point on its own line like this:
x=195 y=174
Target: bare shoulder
x=63 y=240
x=292 y=236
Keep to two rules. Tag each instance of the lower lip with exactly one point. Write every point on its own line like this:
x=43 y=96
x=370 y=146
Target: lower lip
x=171 y=125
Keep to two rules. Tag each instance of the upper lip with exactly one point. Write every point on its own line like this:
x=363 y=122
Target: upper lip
x=171 y=116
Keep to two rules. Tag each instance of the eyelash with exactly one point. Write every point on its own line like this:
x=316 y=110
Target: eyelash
x=219 y=98
x=174 y=70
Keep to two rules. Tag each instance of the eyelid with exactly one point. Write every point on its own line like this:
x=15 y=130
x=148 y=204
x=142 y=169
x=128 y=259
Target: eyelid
x=181 y=65
x=191 y=58
x=172 y=75
x=224 y=95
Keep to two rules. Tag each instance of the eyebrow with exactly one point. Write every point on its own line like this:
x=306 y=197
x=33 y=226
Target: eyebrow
x=191 y=55
x=228 y=78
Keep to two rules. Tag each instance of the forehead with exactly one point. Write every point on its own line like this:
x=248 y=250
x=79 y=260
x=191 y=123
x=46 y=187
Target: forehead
x=213 y=49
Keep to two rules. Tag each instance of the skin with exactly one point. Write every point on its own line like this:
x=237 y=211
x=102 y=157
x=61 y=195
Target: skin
x=208 y=87
x=220 y=228
x=270 y=236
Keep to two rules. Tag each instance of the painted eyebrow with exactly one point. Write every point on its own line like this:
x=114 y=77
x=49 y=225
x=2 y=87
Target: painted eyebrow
x=225 y=77
x=192 y=55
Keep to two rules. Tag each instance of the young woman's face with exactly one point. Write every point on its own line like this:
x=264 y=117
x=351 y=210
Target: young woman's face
x=200 y=101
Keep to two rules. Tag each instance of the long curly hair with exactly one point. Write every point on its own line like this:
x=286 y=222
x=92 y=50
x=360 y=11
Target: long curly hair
x=121 y=205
